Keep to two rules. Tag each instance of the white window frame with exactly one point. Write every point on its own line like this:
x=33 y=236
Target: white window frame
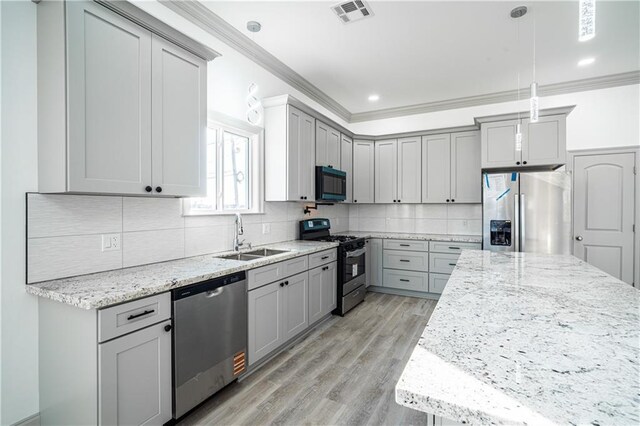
x=256 y=198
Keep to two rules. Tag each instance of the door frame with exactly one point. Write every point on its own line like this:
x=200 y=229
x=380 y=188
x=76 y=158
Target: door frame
x=633 y=149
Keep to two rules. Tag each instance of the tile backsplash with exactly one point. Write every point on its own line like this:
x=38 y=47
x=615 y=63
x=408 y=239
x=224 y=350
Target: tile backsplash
x=64 y=232
x=420 y=218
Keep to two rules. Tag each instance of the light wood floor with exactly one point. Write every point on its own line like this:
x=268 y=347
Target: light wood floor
x=344 y=372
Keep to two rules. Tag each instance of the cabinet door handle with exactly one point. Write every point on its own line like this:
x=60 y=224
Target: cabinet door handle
x=167 y=327
x=281 y=284
x=141 y=314
x=158 y=189
x=324 y=257
x=452 y=264
x=325 y=268
x=403 y=280
x=454 y=248
x=405 y=245
x=404 y=260
x=148 y=188
x=447 y=200
x=453 y=201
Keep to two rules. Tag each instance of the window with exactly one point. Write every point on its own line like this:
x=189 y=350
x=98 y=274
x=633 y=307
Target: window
x=232 y=174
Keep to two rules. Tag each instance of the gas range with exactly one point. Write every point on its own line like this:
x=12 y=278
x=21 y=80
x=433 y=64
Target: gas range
x=351 y=262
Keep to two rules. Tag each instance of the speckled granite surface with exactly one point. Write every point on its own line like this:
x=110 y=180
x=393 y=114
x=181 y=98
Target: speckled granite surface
x=524 y=338
x=112 y=287
x=413 y=236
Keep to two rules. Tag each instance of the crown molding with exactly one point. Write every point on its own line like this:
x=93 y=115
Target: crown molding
x=586 y=84
x=564 y=110
x=206 y=19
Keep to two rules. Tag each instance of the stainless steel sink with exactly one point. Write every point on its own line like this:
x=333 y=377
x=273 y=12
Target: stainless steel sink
x=252 y=255
x=265 y=252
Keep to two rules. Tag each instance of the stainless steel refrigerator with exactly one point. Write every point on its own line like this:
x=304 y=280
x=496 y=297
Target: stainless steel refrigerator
x=527 y=211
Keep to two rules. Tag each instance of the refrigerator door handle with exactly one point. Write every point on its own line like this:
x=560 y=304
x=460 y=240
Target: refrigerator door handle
x=515 y=239
x=523 y=212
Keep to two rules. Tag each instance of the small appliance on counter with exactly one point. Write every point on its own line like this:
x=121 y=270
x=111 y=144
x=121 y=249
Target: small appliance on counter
x=527 y=212
x=351 y=254
x=331 y=184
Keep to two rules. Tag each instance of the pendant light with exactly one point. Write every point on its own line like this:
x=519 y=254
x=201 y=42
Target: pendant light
x=534 y=107
x=253 y=103
x=586 y=20
x=516 y=13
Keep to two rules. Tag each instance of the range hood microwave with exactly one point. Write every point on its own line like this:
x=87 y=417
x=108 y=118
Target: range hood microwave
x=331 y=184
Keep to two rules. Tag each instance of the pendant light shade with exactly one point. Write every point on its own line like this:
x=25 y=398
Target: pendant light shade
x=586 y=20
x=253 y=105
x=518 y=137
x=534 y=108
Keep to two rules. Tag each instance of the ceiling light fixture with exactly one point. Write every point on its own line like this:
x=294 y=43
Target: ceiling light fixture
x=373 y=98
x=586 y=20
x=534 y=106
x=586 y=61
x=254 y=26
x=516 y=13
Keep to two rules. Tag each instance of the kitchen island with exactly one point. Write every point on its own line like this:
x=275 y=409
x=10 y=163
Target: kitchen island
x=523 y=338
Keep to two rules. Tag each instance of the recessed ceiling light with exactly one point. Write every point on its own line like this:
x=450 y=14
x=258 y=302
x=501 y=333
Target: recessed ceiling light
x=586 y=61
x=373 y=98
x=254 y=26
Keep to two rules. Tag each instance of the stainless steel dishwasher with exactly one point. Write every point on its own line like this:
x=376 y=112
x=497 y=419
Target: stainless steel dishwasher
x=209 y=339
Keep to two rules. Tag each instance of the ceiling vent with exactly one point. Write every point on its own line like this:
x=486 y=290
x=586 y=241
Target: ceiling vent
x=352 y=11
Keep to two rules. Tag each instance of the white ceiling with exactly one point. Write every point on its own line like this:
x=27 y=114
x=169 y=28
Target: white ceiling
x=425 y=51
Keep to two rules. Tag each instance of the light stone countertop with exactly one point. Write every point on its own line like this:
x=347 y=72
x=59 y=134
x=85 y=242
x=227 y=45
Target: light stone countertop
x=415 y=236
x=102 y=289
x=523 y=338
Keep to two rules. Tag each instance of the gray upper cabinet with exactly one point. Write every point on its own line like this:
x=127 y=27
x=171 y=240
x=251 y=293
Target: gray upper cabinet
x=135 y=378
x=327 y=145
x=386 y=171
x=543 y=143
x=290 y=134
x=466 y=173
x=436 y=168
x=409 y=169
x=346 y=164
x=363 y=171
x=116 y=115
x=179 y=137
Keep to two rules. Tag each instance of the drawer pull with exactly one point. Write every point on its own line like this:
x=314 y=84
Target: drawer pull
x=141 y=314
x=404 y=260
x=403 y=280
x=324 y=268
x=454 y=248
x=405 y=245
x=324 y=257
x=452 y=264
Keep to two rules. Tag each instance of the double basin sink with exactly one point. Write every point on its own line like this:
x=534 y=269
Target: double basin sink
x=252 y=255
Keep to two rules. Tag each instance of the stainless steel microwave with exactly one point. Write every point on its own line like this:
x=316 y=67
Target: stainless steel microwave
x=331 y=184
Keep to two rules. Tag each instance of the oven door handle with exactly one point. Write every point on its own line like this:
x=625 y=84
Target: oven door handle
x=356 y=253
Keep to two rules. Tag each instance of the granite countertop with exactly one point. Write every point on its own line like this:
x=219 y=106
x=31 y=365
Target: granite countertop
x=523 y=338
x=104 y=289
x=414 y=236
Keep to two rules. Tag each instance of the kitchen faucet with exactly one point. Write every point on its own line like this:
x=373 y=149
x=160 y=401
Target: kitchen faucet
x=238 y=231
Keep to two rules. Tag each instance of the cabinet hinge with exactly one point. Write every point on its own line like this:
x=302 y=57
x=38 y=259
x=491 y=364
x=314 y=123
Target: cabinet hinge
x=635 y=171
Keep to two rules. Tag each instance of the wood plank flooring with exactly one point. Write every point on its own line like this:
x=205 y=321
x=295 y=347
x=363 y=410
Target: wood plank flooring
x=342 y=373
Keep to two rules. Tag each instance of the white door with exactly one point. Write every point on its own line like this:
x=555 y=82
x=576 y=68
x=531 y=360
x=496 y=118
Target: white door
x=346 y=164
x=179 y=92
x=265 y=320
x=386 y=171
x=604 y=196
x=466 y=173
x=307 y=169
x=409 y=170
x=436 y=168
x=295 y=305
x=109 y=101
x=135 y=378
x=544 y=142
x=363 y=171
x=498 y=142
x=327 y=146
x=329 y=288
x=315 y=295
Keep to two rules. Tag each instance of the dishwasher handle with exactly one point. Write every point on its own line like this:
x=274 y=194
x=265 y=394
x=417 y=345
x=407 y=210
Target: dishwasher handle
x=213 y=293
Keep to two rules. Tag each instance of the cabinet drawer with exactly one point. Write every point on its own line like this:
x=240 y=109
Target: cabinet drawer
x=128 y=317
x=405 y=280
x=406 y=260
x=267 y=274
x=437 y=282
x=323 y=257
x=414 y=245
x=452 y=247
x=442 y=263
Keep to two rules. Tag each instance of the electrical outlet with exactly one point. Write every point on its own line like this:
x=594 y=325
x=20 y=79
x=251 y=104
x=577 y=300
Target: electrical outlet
x=110 y=242
x=266 y=228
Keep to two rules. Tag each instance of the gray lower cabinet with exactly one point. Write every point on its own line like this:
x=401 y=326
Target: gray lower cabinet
x=437 y=282
x=323 y=281
x=135 y=378
x=295 y=296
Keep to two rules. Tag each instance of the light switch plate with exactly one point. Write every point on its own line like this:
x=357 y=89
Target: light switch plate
x=110 y=242
x=266 y=228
